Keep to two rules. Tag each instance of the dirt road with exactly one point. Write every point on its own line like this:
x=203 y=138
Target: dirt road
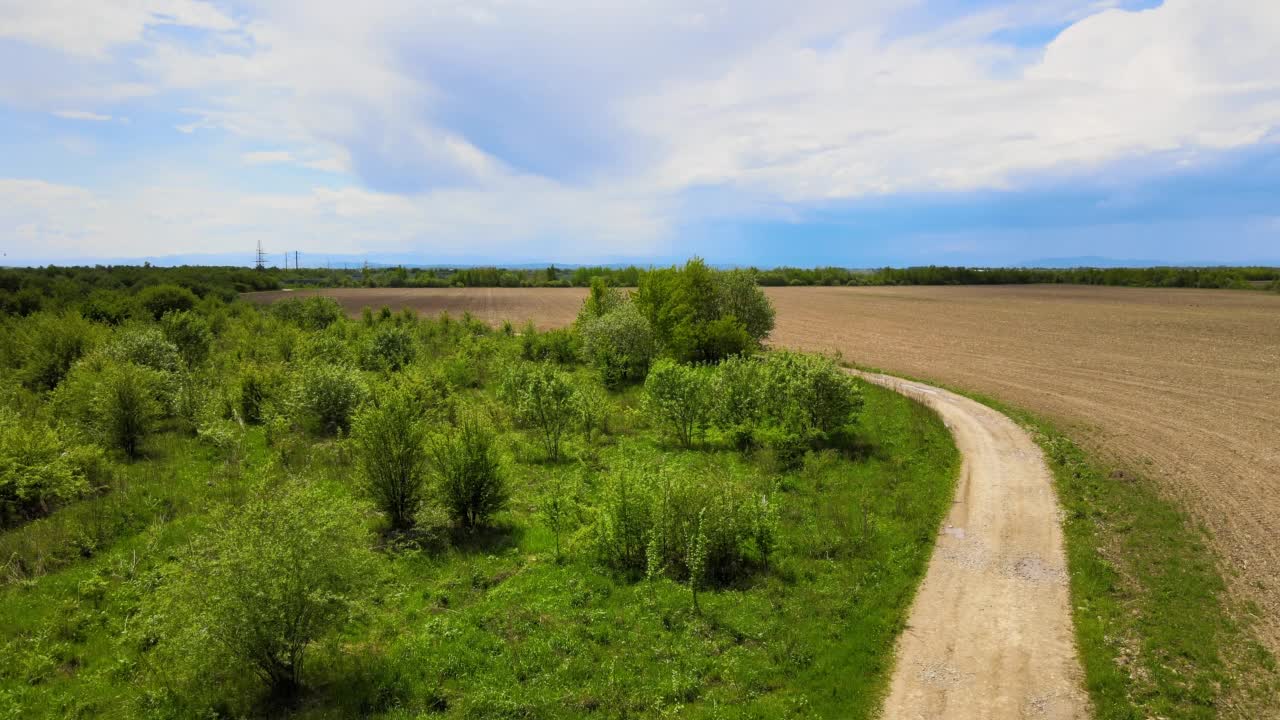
x=989 y=634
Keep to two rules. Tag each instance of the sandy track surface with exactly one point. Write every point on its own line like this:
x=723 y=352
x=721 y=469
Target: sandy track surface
x=989 y=634
x=1181 y=385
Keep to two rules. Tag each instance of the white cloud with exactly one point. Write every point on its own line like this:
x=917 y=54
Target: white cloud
x=81 y=115
x=502 y=120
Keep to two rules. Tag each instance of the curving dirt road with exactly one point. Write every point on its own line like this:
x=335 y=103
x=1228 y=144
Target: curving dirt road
x=989 y=634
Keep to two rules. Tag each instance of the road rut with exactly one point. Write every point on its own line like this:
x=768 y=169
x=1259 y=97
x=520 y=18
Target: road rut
x=989 y=634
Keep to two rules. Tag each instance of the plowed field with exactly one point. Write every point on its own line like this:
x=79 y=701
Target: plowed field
x=1182 y=385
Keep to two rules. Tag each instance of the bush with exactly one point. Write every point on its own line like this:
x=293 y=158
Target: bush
x=809 y=395
x=677 y=399
x=126 y=406
x=53 y=344
x=649 y=520
x=545 y=399
x=692 y=312
x=469 y=472
x=738 y=399
x=37 y=471
x=327 y=397
x=619 y=343
x=145 y=345
x=190 y=333
x=108 y=306
x=391 y=347
x=255 y=592
x=602 y=300
x=160 y=299
x=314 y=313
x=390 y=441
x=560 y=345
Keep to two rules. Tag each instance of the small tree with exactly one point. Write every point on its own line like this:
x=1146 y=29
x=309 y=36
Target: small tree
x=160 y=299
x=269 y=579
x=556 y=509
x=546 y=400
x=469 y=472
x=126 y=407
x=678 y=399
x=190 y=332
x=697 y=560
x=328 y=396
x=391 y=449
x=619 y=343
x=391 y=348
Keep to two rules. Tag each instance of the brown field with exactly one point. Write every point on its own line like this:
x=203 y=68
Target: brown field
x=1183 y=385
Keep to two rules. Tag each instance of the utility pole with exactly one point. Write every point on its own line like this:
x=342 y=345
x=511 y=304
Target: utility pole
x=295 y=259
x=260 y=262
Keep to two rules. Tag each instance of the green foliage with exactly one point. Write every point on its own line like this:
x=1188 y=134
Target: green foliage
x=741 y=298
x=545 y=399
x=602 y=300
x=619 y=343
x=326 y=397
x=699 y=529
x=313 y=313
x=678 y=401
x=465 y=460
x=809 y=394
x=691 y=310
x=110 y=307
x=144 y=345
x=190 y=333
x=38 y=472
x=559 y=345
x=157 y=300
x=256 y=591
x=112 y=401
x=390 y=441
x=739 y=399
x=391 y=347
x=53 y=344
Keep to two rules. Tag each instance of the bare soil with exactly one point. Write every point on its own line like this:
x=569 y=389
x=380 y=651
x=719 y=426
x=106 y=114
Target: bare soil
x=1182 y=386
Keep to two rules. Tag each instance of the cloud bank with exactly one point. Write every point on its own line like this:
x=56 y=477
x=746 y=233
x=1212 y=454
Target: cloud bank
x=586 y=130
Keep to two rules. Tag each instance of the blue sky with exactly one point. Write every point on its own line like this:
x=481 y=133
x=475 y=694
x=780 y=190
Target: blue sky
x=754 y=132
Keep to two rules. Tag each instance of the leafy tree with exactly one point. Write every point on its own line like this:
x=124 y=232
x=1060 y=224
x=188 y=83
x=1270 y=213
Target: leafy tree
x=190 y=333
x=391 y=347
x=145 y=345
x=269 y=579
x=677 y=398
x=37 y=470
x=600 y=301
x=466 y=464
x=390 y=441
x=739 y=398
x=740 y=297
x=126 y=407
x=619 y=343
x=545 y=399
x=691 y=312
x=54 y=343
x=157 y=300
x=328 y=396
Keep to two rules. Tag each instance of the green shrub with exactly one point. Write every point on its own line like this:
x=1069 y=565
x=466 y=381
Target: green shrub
x=157 y=300
x=466 y=464
x=144 y=345
x=391 y=347
x=619 y=343
x=810 y=395
x=37 y=471
x=53 y=344
x=327 y=397
x=390 y=441
x=314 y=313
x=110 y=307
x=560 y=345
x=601 y=300
x=255 y=592
x=190 y=333
x=739 y=399
x=252 y=391
x=126 y=406
x=677 y=399
x=693 y=312
x=650 y=519
x=545 y=399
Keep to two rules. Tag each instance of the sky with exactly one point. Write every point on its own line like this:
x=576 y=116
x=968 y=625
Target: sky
x=807 y=132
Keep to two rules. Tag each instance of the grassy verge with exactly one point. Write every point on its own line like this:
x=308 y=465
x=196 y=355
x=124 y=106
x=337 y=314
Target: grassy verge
x=491 y=625
x=1157 y=632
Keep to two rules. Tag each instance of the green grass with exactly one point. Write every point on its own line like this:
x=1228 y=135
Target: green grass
x=1157 y=632
x=490 y=625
